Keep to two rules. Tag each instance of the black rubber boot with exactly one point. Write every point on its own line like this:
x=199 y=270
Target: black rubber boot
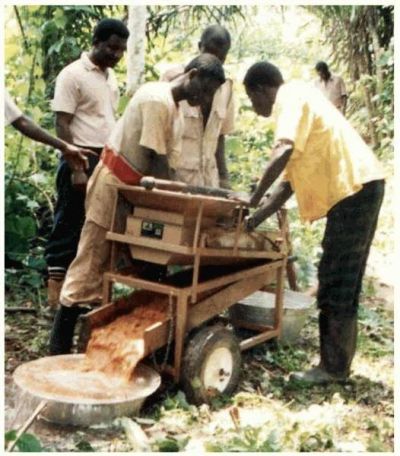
x=338 y=340
x=63 y=328
x=338 y=335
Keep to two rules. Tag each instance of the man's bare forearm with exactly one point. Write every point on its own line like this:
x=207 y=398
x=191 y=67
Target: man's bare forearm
x=277 y=199
x=344 y=104
x=27 y=127
x=221 y=163
x=155 y=165
x=76 y=157
x=63 y=129
x=281 y=154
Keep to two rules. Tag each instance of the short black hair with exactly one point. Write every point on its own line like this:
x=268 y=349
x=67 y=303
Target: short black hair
x=322 y=66
x=208 y=66
x=216 y=34
x=107 y=27
x=263 y=73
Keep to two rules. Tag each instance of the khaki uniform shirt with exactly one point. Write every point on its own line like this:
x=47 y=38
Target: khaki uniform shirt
x=151 y=120
x=91 y=95
x=11 y=110
x=198 y=165
x=333 y=89
x=330 y=161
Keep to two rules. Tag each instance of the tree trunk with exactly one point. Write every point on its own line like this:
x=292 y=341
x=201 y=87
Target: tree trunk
x=372 y=20
x=136 y=47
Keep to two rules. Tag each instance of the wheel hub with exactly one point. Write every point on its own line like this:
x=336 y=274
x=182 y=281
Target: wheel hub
x=218 y=370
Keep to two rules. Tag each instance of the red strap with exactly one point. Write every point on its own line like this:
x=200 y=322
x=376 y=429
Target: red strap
x=118 y=165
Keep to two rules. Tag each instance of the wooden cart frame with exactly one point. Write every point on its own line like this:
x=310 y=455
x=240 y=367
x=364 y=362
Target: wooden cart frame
x=196 y=301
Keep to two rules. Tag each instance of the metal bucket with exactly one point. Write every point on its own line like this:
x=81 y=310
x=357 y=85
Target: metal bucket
x=259 y=308
x=47 y=378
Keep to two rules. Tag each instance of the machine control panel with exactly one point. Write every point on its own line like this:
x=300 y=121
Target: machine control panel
x=152 y=229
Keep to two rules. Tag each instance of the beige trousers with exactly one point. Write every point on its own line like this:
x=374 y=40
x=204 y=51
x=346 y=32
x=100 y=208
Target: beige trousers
x=84 y=280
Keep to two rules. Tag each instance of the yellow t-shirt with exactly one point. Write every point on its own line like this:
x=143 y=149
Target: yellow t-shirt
x=330 y=161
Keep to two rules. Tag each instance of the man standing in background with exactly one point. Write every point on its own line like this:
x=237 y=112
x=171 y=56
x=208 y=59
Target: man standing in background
x=331 y=86
x=205 y=126
x=85 y=102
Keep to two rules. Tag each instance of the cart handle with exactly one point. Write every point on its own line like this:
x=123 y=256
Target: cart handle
x=150 y=183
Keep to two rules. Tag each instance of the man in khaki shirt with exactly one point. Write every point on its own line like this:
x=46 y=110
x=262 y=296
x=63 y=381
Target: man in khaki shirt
x=331 y=86
x=85 y=102
x=203 y=144
x=145 y=141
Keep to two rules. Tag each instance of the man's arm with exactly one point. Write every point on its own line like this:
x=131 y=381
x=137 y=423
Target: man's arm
x=63 y=122
x=344 y=95
x=277 y=199
x=221 y=163
x=74 y=155
x=156 y=165
x=344 y=104
x=280 y=156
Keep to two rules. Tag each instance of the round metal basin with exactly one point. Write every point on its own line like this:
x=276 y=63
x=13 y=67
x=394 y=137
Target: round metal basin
x=82 y=397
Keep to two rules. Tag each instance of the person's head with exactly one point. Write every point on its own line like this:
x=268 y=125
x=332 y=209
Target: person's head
x=262 y=82
x=215 y=40
x=323 y=71
x=204 y=76
x=109 y=42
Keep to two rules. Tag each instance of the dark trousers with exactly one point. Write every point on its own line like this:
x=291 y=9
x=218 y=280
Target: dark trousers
x=69 y=216
x=347 y=240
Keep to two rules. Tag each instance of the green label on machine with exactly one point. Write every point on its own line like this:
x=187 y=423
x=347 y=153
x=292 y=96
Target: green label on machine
x=152 y=229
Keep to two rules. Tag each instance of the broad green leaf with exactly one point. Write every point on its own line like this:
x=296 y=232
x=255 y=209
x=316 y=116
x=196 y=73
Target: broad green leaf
x=28 y=443
x=10 y=435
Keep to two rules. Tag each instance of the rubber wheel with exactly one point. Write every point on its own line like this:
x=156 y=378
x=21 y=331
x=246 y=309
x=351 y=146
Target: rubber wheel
x=211 y=364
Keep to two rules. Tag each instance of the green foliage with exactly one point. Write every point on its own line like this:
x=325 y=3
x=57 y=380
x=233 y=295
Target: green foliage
x=247 y=439
x=375 y=338
x=247 y=153
x=26 y=443
x=361 y=39
x=177 y=401
x=171 y=445
x=84 y=446
x=320 y=441
x=220 y=401
x=288 y=358
x=27 y=208
x=10 y=436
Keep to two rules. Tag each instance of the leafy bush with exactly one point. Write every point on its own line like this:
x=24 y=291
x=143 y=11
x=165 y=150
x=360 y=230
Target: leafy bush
x=26 y=443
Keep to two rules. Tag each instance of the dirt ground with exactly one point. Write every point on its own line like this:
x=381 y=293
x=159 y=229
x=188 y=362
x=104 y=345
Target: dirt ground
x=268 y=412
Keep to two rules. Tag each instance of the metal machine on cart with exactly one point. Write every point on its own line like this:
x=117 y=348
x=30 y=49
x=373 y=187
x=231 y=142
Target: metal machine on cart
x=210 y=263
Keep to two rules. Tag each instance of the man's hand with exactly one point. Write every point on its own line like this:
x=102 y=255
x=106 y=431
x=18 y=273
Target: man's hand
x=279 y=158
x=249 y=223
x=76 y=156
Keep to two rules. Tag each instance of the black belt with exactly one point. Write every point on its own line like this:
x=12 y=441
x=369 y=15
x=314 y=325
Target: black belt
x=97 y=150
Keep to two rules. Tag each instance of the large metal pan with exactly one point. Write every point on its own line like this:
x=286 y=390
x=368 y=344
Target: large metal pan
x=82 y=399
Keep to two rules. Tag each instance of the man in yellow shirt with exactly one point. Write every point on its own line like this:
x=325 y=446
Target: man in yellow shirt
x=334 y=174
